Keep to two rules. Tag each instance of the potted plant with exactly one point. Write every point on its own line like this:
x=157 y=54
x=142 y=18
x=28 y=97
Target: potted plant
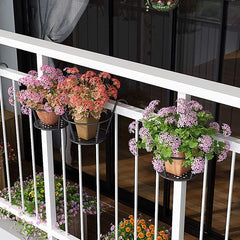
x=181 y=137
x=145 y=230
x=162 y=5
x=85 y=96
x=40 y=94
x=27 y=229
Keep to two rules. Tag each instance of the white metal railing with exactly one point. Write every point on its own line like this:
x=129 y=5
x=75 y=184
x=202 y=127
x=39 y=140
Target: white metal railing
x=185 y=86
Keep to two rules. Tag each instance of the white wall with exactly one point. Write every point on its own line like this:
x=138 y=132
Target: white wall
x=7 y=55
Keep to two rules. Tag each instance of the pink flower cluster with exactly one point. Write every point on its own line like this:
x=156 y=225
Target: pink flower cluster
x=223 y=155
x=41 y=91
x=198 y=165
x=226 y=130
x=10 y=151
x=205 y=143
x=167 y=139
x=86 y=94
x=149 y=110
x=133 y=146
x=146 y=137
x=158 y=164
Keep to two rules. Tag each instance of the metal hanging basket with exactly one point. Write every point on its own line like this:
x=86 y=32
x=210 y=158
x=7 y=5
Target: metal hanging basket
x=43 y=123
x=182 y=176
x=163 y=5
x=101 y=128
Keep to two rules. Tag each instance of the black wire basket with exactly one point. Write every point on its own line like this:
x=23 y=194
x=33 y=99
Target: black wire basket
x=102 y=128
x=42 y=126
x=186 y=176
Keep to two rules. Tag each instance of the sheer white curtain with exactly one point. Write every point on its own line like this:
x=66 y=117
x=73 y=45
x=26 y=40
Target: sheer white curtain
x=54 y=20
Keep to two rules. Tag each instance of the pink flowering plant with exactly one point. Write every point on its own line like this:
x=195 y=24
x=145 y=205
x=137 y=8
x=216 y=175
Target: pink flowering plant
x=86 y=94
x=29 y=230
x=10 y=151
x=40 y=92
x=185 y=128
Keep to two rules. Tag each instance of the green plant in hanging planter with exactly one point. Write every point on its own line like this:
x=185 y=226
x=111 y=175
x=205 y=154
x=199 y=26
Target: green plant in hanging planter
x=185 y=128
x=161 y=5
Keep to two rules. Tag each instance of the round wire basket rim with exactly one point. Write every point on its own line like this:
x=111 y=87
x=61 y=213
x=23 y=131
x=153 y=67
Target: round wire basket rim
x=65 y=118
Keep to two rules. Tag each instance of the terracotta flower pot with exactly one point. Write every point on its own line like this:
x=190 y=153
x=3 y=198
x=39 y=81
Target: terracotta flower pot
x=87 y=131
x=177 y=168
x=48 y=118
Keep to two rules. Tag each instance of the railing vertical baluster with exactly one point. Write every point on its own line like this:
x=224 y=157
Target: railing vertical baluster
x=179 y=200
x=80 y=190
x=156 y=205
x=203 y=200
x=63 y=145
x=48 y=168
x=136 y=188
x=179 y=203
x=116 y=173
x=98 y=191
x=5 y=142
x=18 y=144
x=49 y=183
x=33 y=163
x=230 y=195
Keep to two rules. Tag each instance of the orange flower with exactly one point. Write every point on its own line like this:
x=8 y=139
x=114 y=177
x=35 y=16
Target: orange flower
x=127 y=229
x=142 y=221
x=138 y=228
x=72 y=70
x=126 y=222
x=165 y=237
x=151 y=227
x=122 y=225
x=159 y=238
x=161 y=232
x=144 y=226
x=130 y=216
x=141 y=235
x=148 y=234
x=149 y=238
x=132 y=221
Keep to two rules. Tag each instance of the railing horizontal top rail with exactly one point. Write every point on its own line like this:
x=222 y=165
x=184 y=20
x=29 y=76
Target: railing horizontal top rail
x=193 y=86
x=121 y=109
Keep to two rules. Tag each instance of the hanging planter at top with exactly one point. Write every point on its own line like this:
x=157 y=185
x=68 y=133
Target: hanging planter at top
x=162 y=5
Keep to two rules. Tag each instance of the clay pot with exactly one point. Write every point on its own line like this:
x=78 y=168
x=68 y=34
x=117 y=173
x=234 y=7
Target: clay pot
x=87 y=131
x=47 y=118
x=176 y=168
